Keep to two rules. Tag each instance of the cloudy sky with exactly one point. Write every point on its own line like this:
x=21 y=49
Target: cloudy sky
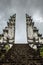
x=32 y=7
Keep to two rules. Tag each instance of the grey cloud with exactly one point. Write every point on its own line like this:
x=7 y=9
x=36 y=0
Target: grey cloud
x=9 y=7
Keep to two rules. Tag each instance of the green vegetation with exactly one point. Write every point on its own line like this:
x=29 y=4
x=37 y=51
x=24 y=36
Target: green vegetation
x=7 y=47
x=2 y=55
x=41 y=51
x=4 y=50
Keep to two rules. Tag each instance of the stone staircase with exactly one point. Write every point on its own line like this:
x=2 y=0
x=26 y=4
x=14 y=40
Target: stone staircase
x=21 y=54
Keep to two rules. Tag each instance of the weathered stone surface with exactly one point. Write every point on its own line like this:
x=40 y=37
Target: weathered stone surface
x=21 y=54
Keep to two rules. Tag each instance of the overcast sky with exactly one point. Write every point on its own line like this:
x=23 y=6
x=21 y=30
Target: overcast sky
x=32 y=7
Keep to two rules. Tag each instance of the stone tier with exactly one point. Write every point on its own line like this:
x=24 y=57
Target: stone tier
x=27 y=16
x=5 y=30
x=10 y=23
x=1 y=35
x=39 y=35
x=9 y=29
x=13 y=16
x=34 y=30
